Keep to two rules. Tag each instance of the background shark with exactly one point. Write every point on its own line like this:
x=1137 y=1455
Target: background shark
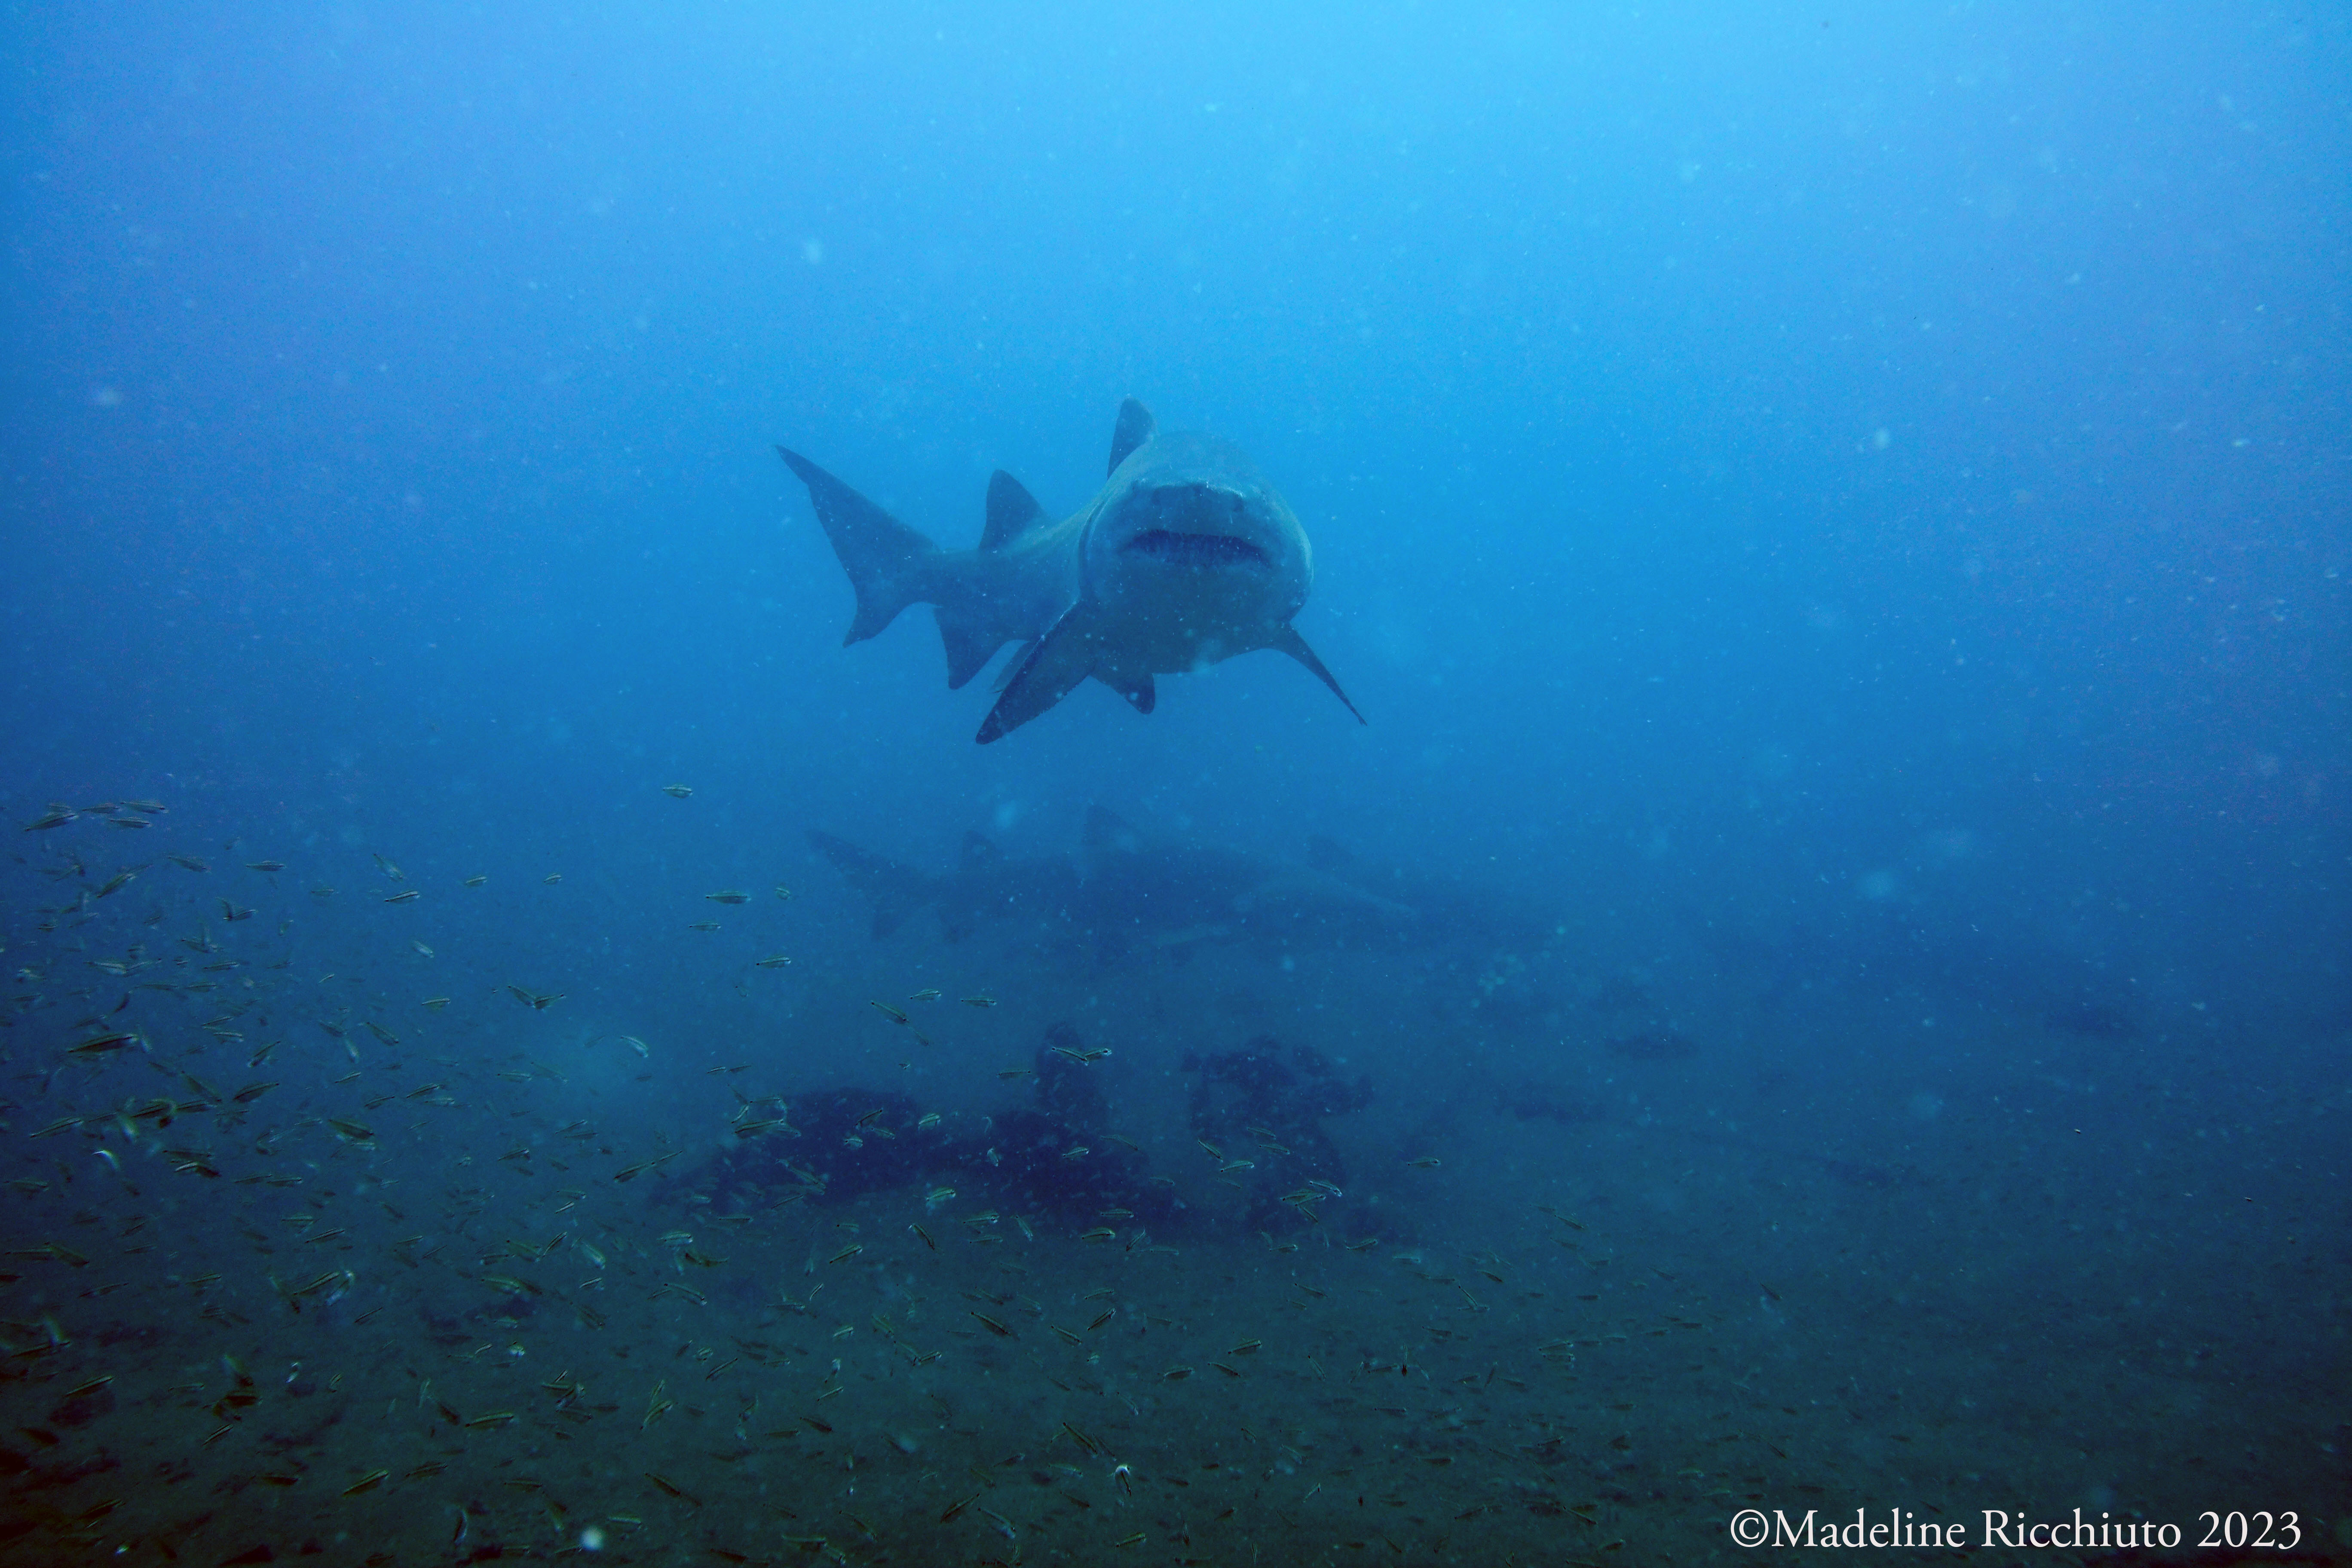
x=1186 y=556
x=1170 y=891
x=985 y=886
x=1124 y=891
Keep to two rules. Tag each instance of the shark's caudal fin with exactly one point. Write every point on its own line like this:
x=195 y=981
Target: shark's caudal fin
x=1136 y=426
x=889 y=565
x=896 y=890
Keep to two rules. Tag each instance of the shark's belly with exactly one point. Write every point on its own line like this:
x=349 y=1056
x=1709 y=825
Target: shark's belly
x=1169 y=640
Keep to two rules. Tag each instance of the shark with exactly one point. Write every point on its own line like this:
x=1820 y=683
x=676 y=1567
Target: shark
x=986 y=884
x=1126 y=892
x=1186 y=556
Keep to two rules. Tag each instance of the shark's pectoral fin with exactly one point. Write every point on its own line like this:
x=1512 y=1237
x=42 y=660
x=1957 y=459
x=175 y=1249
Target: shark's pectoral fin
x=1136 y=426
x=1048 y=672
x=1289 y=641
x=1138 y=690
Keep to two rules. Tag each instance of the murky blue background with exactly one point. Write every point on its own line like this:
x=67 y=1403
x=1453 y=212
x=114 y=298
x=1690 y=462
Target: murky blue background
x=1764 y=450
x=1821 y=501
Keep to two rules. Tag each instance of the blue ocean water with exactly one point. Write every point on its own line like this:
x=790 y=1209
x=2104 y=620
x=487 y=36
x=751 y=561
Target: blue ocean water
x=1820 y=984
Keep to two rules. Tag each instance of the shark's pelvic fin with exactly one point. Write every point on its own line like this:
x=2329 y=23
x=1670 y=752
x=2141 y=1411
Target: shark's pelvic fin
x=1139 y=689
x=969 y=646
x=1012 y=511
x=964 y=627
x=889 y=565
x=1048 y=672
x=1135 y=427
x=1289 y=641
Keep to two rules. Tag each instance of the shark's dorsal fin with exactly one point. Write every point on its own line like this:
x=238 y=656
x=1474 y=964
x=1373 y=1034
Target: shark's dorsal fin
x=1289 y=641
x=1012 y=511
x=1135 y=427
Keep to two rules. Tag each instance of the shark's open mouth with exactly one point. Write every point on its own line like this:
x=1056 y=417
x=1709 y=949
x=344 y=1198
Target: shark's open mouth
x=1194 y=549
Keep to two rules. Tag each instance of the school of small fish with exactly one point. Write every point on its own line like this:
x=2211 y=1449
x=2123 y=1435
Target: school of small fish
x=301 y=1259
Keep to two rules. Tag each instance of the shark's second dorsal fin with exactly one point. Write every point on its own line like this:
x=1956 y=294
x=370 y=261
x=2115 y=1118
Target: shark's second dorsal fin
x=1012 y=511
x=1135 y=427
